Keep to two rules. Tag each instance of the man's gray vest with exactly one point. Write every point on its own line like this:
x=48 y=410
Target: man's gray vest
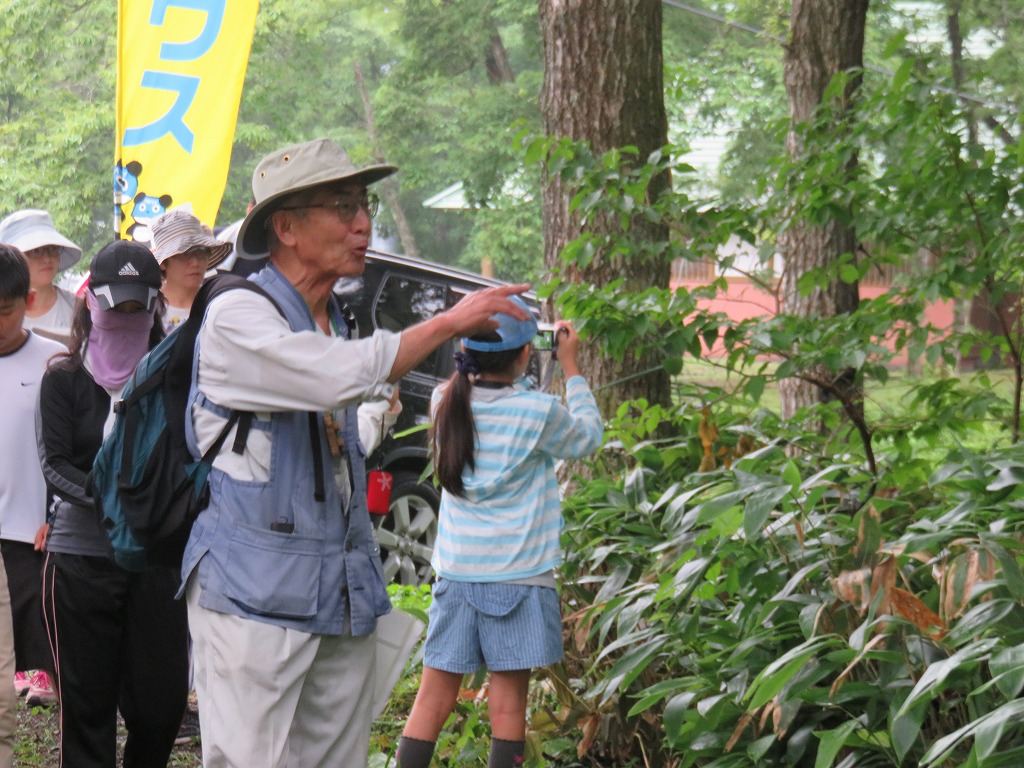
x=269 y=551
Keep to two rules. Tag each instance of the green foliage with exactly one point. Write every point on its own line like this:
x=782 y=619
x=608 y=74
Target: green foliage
x=745 y=591
x=433 y=110
x=760 y=618
x=414 y=600
x=57 y=115
x=510 y=237
x=444 y=117
x=738 y=590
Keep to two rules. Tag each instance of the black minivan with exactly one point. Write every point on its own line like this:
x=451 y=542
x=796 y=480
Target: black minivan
x=394 y=293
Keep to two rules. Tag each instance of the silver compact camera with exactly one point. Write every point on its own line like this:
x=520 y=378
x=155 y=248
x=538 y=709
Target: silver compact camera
x=546 y=339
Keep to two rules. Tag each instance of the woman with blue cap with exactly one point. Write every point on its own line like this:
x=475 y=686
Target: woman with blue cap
x=495 y=602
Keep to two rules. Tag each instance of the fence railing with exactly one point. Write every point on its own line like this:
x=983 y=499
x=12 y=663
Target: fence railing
x=706 y=270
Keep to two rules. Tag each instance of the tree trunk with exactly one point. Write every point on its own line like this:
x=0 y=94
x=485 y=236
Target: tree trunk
x=603 y=83
x=956 y=59
x=826 y=37
x=499 y=69
x=977 y=312
x=962 y=308
x=388 y=187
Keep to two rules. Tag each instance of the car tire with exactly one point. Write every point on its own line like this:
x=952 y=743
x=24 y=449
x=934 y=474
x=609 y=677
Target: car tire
x=407 y=533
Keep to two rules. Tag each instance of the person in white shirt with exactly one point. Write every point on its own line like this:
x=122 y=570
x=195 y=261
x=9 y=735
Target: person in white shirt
x=48 y=253
x=24 y=357
x=186 y=250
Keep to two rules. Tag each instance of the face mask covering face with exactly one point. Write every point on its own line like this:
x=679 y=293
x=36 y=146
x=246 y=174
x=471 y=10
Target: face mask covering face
x=117 y=342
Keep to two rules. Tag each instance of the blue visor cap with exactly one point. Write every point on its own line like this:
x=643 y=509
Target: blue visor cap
x=514 y=333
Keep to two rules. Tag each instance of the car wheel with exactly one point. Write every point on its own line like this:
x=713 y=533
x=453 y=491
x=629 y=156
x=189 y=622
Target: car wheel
x=407 y=533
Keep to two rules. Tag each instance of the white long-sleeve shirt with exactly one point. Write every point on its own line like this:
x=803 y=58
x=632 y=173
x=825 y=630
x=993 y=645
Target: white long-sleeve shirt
x=251 y=360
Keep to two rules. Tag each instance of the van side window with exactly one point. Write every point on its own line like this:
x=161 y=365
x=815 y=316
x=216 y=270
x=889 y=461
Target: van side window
x=403 y=302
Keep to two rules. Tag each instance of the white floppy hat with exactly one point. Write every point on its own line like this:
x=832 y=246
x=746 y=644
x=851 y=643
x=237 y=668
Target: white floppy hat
x=31 y=228
x=294 y=169
x=178 y=231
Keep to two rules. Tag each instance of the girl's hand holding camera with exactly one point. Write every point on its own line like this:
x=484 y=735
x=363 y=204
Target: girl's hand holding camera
x=568 y=345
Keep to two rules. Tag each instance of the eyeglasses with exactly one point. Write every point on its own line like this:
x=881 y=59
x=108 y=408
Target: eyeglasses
x=346 y=207
x=43 y=252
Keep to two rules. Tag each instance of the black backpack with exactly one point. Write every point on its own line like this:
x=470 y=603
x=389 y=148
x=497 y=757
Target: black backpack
x=146 y=484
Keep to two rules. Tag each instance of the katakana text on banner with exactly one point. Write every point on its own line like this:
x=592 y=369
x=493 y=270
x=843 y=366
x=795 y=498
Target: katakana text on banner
x=180 y=69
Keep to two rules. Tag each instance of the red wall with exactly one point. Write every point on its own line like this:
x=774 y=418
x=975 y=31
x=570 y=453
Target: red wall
x=743 y=301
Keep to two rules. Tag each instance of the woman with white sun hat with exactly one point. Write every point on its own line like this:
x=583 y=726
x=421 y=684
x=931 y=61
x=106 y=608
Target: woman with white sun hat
x=49 y=253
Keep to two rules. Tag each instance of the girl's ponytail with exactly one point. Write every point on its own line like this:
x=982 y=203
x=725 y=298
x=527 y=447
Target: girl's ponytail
x=453 y=431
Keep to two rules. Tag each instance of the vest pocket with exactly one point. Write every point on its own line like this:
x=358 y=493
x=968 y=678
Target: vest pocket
x=366 y=587
x=273 y=574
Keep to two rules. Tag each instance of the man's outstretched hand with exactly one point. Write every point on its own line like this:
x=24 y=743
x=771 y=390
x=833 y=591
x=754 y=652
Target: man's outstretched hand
x=473 y=313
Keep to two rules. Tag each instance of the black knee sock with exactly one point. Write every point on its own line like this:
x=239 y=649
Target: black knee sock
x=505 y=754
x=414 y=753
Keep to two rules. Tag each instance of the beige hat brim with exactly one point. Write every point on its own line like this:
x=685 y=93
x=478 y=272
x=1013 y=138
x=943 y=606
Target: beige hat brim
x=219 y=250
x=252 y=234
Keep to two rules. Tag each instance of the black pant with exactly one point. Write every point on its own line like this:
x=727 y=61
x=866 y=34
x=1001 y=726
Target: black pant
x=25 y=579
x=120 y=641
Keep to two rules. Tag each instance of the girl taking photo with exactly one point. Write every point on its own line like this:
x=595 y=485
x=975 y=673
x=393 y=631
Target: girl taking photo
x=495 y=602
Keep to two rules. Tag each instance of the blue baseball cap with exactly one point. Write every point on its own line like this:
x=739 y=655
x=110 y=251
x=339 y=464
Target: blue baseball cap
x=514 y=333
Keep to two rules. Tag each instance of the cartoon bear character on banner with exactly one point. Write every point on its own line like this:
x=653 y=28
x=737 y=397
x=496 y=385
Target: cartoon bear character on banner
x=146 y=209
x=126 y=185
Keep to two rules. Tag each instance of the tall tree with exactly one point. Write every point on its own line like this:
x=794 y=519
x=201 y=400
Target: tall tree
x=603 y=84
x=57 y=115
x=464 y=72
x=388 y=187
x=826 y=37
x=994 y=78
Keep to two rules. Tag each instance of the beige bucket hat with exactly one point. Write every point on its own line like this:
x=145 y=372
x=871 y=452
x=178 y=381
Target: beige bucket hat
x=294 y=169
x=179 y=231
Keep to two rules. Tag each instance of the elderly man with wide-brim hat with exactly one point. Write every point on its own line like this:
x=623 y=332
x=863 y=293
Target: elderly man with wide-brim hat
x=282 y=571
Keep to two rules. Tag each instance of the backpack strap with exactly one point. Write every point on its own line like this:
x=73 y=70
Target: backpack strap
x=244 y=419
x=131 y=423
x=318 y=466
x=213 y=450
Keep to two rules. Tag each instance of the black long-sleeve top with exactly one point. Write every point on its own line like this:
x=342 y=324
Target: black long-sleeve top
x=72 y=411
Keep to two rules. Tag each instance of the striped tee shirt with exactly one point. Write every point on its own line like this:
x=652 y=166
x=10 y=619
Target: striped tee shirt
x=508 y=524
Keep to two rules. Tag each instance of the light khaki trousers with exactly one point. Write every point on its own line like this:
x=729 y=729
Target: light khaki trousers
x=271 y=697
x=8 y=698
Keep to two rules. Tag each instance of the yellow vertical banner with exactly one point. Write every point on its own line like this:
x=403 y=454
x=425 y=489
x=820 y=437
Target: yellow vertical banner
x=180 y=69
